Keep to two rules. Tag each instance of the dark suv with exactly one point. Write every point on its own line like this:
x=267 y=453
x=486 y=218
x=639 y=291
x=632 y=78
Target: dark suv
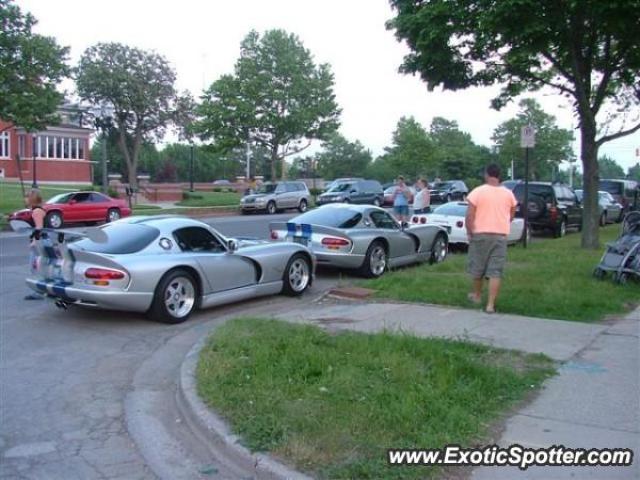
x=444 y=192
x=552 y=206
x=356 y=191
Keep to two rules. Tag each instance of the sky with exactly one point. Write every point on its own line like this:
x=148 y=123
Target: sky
x=201 y=39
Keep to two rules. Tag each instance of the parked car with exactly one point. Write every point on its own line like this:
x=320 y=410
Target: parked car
x=222 y=183
x=363 y=238
x=625 y=192
x=552 y=206
x=388 y=194
x=609 y=210
x=452 y=215
x=357 y=191
x=167 y=267
x=329 y=185
x=87 y=207
x=444 y=192
x=271 y=197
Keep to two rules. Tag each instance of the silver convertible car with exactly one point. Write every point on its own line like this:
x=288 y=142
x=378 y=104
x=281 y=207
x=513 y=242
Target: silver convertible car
x=165 y=266
x=364 y=238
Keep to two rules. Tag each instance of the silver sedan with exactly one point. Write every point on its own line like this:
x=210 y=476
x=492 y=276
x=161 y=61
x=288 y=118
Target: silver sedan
x=364 y=238
x=165 y=266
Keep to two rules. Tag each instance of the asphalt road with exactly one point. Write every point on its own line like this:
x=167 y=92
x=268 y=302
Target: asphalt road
x=77 y=386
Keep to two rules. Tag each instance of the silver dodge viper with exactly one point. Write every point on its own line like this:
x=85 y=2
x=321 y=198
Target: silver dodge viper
x=165 y=266
x=364 y=238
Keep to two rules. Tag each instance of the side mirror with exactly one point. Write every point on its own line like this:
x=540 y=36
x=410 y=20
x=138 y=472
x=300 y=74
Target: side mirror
x=232 y=245
x=353 y=191
x=72 y=201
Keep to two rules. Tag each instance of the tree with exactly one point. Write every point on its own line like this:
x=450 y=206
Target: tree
x=342 y=158
x=634 y=172
x=553 y=144
x=138 y=86
x=455 y=153
x=412 y=151
x=585 y=50
x=31 y=66
x=276 y=98
x=609 y=168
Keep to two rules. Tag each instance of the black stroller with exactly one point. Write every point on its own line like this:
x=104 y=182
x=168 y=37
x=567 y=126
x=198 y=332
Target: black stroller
x=622 y=257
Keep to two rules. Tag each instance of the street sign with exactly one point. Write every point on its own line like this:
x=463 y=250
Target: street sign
x=528 y=136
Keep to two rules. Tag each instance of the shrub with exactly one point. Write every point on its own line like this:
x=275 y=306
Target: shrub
x=192 y=196
x=217 y=189
x=315 y=191
x=113 y=193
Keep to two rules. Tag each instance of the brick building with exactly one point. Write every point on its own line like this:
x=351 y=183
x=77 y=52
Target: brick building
x=61 y=152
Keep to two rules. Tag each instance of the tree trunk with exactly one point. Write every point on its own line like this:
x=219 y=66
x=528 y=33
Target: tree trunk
x=131 y=167
x=590 y=180
x=274 y=160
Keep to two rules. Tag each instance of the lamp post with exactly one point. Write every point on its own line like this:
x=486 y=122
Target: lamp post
x=191 y=170
x=34 y=182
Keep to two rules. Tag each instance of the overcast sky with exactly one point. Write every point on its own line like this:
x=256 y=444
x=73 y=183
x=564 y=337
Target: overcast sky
x=201 y=39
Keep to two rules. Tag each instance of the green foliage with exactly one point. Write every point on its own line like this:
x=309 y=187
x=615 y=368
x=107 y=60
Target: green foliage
x=31 y=66
x=455 y=153
x=634 y=172
x=277 y=98
x=552 y=278
x=342 y=158
x=331 y=404
x=412 y=151
x=609 y=168
x=585 y=50
x=553 y=144
x=138 y=85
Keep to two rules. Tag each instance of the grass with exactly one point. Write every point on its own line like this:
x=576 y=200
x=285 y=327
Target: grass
x=552 y=278
x=11 y=198
x=210 y=199
x=332 y=405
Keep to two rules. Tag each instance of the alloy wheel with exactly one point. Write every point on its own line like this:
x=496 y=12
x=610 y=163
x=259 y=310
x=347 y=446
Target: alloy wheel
x=299 y=275
x=378 y=261
x=180 y=297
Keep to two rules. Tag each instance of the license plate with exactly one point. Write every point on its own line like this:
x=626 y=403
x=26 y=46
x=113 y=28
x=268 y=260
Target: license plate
x=300 y=240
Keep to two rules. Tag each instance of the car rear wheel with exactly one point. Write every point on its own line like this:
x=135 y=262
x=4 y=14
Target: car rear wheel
x=271 y=208
x=375 y=261
x=113 y=214
x=561 y=230
x=377 y=202
x=603 y=219
x=448 y=197
x=439 y=249
x=297 y=275
x=53 y=220
x=303 y=206
x=175 y=297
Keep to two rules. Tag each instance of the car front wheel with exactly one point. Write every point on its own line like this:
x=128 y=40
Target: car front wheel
x=303 y=206
x=439 y=250
x=376 y=202
x=297 y=275
x=175 y=297
x=53 y=220
x=271 y=208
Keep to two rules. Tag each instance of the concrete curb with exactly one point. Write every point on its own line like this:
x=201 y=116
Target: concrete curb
x=211 y=427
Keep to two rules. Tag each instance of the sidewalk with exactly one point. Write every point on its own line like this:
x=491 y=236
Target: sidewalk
x=593 y=402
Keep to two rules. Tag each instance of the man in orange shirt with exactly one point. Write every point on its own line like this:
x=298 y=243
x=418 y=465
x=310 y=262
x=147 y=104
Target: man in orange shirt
x=491 y=210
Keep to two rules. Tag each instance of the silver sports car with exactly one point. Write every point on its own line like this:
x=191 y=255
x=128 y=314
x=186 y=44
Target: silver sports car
x=166 y=266
x=363 y=238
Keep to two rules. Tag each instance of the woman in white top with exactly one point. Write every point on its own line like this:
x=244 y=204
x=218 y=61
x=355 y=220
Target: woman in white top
x=422 y=199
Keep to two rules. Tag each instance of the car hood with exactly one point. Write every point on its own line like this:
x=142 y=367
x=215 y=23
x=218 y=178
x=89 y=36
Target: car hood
x=256 y=196
x=22 y=211
x=244 y=242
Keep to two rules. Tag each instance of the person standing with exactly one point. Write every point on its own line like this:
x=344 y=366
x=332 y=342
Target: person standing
x=34 y=202
x=489 y=215
x=422 y=199
x=401 y=200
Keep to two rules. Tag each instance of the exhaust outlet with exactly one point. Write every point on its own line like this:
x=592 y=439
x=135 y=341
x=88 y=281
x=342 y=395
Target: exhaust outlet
x=61 y=305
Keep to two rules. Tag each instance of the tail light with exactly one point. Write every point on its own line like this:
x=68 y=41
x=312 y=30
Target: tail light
x=554 y=213
x=102 y=276
x=414 y=220
x=335 y=242
x=273 y=235
x=459 y=224
x=423 y=220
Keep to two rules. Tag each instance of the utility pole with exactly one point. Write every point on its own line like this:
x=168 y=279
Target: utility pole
x=527 y=141
x=191 y=170
x=248 y=159
x=34 y=182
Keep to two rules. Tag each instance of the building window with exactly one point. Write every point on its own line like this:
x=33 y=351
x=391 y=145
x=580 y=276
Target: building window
x=4 y=145
x=52 y=147
x=22 y=150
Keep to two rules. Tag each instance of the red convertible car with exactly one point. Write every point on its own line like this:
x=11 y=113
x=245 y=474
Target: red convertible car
x=78 y=207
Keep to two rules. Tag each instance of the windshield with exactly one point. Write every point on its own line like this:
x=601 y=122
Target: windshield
x=336 y=217
x=124 y=238
x=605 y=196
x=543 y=191
x=267 y=188
x=612 y=187
x=341 y=187
x=60 y=198
x=579 y=194
x=442 y=185
x=453 y=209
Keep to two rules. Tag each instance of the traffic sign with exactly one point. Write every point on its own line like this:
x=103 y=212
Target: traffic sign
x=528 y=136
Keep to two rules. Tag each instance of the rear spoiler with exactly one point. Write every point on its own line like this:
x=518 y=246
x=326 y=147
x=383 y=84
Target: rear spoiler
x=306 y=229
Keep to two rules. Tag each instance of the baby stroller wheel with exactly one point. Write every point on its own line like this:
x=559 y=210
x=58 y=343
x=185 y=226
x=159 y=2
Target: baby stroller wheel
x=621 y=278
x=599 y=273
